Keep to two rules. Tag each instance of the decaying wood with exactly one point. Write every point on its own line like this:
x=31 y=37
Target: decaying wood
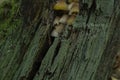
x=87 y=54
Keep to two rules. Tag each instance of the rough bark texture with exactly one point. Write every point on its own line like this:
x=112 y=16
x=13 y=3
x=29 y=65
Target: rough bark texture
x=88 y=54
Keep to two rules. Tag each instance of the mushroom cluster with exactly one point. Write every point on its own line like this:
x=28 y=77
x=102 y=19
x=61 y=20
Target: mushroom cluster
x=65 y=14
x=116 y=68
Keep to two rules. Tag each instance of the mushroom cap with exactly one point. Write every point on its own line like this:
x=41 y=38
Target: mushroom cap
x=54 y=34
x=71 y=19
x=61 y=5
x=70 y=5
x=74 y=9
x=56 y=20
x=63 y=19
x=113 y=78
x=59 y=28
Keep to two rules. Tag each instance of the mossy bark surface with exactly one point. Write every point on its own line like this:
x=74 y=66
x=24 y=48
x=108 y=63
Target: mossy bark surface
x=27 y=52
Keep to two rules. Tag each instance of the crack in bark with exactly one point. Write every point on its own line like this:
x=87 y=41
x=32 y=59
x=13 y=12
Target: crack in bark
x=91 y=10
x=56 y=52
x=38 y=61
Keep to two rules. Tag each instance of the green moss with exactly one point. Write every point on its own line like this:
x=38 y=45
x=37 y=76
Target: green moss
x=9 y=19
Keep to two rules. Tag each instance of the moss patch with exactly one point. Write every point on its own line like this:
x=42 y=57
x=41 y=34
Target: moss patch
x=9 y=18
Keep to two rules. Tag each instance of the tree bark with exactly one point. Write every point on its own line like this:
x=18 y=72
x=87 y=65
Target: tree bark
x=27 y=51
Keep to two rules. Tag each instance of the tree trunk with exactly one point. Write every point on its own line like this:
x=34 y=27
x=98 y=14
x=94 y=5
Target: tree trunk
x=27 y=51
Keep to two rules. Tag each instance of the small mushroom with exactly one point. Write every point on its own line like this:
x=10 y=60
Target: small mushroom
x=56 y=20
x=113 y=78
x=71 y=19
x=54 y=33
x=74 y=9
x=63 y=19
x=58 y=29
